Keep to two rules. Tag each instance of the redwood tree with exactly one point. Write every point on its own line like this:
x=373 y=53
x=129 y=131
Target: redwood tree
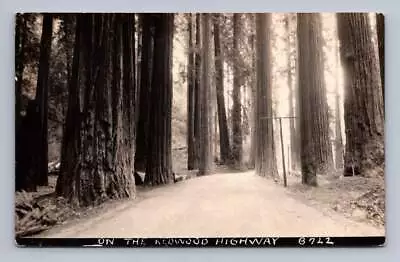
x=42 y=99
x=190 y=97
x=225 y=153
x=265 y=155
x=253 y=81
x=197 y=93
x=159 y=162
x=32 y=163
x=20 y=46
x=363 y=106
x=237 y=143
x=146 y=68
x=316 y=151
x=97 y=159
x=205 y=159
x=291 y=70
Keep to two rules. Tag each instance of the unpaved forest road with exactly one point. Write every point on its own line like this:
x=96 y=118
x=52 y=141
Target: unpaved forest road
x=234 y=204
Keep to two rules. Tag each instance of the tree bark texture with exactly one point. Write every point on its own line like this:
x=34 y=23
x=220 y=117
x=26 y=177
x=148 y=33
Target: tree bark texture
x=42 y=99
x=191 y=97
x=205 y=160
x=265 y=156
x=225 y=153
x=253 y=96
x=316 y=151
x=159 y=161
x=97 y=160
x=197 y=93
x=363 y=106
x=237 y=140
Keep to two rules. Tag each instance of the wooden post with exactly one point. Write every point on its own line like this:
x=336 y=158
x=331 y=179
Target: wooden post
x=283 y=155
x=282 y=149
x=288 y=160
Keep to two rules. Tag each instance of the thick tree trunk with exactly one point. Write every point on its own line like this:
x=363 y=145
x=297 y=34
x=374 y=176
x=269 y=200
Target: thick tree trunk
x=146 y=69
x=97 y=155
x=125 y=117
x=159 y=162
x=225 y=153
x=197 y=93
x=363 y=106
x=205 y=160
x=70 y=149
x=316 y=151
x=265 y=155
x=237 y=141
x=380 y=29
x=190 y=98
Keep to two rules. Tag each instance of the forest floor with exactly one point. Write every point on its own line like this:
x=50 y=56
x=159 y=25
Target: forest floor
x=225 y=204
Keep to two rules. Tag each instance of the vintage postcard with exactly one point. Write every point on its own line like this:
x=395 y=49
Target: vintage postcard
x=199 y=129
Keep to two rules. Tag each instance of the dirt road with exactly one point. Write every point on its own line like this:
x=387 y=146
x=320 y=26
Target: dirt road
x=235 y=204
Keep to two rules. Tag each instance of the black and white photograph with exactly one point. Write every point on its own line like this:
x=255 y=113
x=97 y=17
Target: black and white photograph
x=199 y=129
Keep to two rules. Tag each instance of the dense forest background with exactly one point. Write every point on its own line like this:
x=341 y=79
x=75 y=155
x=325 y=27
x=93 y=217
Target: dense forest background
x=105 y=102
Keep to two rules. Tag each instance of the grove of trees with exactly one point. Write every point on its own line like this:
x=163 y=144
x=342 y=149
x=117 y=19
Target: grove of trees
x=108 y=82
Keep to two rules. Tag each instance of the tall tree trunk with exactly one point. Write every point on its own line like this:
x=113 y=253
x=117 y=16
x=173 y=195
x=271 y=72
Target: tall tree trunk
x=237 y=141
x=253 y=96
x=205 y=160
x=32 y=164
x=294 y=149
x=20 y=39
x=380 y=29
x=363 y=106
x=100 y=156
x=20 y=36
x=139 y=55
x=197 y=93
x=265 y=155
x=159 y=162
x=338 y=115
x=126 y=133
x=316 y=152
x=146 y=69
x=70 y=147
x=191 y=97
x=222 y=121
x=42 y=99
